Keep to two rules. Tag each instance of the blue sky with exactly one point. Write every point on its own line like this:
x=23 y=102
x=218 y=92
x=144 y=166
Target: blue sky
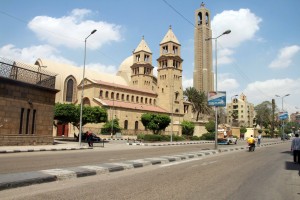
x=260 y=57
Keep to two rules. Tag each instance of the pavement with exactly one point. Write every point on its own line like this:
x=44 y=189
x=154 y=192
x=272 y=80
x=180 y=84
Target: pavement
x=14 y=180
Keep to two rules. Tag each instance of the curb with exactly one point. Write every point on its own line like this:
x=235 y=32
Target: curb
x=44 y=149
x=8 y=181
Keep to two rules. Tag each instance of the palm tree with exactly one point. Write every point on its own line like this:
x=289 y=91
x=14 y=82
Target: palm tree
x=198 y=100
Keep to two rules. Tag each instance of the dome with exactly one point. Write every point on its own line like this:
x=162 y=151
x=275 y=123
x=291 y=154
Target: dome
x=126 y=64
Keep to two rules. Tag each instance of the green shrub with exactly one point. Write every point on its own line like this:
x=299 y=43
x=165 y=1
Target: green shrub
x=207 y=136
x=194 y=138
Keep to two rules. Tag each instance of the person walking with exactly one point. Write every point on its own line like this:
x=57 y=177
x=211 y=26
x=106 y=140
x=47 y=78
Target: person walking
x=258 y=139
x=295 y=148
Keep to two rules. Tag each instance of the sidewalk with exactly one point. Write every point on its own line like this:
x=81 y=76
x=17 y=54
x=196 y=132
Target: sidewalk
x=14 y=180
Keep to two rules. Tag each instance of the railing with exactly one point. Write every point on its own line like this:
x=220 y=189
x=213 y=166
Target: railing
x=26 y=73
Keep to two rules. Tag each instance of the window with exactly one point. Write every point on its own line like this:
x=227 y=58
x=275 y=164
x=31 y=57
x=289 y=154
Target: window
x=118 y=96
x=21 y=121
x=136 y=125
x=106 y=94
x=127 y=97
x=126 y=124
x=132 y=98
x=137 y=99
x=69 y=96
x=123 y=97
x=112 y=95
x=101 y=94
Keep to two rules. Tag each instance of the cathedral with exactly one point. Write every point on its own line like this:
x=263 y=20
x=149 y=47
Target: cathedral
x=132 y=91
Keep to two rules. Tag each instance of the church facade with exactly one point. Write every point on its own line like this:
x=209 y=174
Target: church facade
x=130 y=93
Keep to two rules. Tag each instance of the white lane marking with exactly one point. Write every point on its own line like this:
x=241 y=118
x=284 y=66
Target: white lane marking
x=180 y=162
x=208 y=163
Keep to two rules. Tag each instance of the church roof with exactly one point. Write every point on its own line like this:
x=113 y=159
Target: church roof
x=129 y=105
x=170 y=37
x=143 y=46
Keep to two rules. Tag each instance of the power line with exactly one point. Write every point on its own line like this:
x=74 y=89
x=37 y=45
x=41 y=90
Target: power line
x=186 y=19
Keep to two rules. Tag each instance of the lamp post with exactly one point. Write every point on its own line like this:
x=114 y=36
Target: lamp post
x=216 y=71
x=82 y=89
x=282 y=123
x=172 y=116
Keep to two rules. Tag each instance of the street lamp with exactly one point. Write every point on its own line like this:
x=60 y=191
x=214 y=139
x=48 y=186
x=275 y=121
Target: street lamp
x=216 y=71
x=172 y=116
x=282 y=123
x=81 y=104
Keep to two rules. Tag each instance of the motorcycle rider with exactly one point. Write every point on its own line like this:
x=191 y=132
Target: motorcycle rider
x=251 y=142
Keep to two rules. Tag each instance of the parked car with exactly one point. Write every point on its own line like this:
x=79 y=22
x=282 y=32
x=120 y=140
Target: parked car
x=95 y=138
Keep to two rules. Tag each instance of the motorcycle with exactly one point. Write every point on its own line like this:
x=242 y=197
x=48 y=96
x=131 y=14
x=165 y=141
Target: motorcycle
x=251 y=147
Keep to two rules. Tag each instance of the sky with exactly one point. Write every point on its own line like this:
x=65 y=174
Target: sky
x=259 y=58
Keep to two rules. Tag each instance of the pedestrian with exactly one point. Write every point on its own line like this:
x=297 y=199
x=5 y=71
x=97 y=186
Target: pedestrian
x=295 y=148
x=88 y=137
x=258 y=139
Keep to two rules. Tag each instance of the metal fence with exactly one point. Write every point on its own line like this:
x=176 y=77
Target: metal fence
x=26 y=73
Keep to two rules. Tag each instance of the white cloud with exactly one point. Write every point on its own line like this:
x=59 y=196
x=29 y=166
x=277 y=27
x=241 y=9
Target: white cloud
x=186 y=83
x=260 y=91
x=243 y=25
x=284 y=57
x=71 y=30
x=32 y=53
x=226 y=83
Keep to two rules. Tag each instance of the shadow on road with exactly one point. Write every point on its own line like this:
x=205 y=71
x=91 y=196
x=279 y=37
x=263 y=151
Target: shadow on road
x=292 y=166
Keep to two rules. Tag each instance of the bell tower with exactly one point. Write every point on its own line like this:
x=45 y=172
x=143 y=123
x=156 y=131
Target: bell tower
x=142 y=69
x=169 y=75
x=203 y=72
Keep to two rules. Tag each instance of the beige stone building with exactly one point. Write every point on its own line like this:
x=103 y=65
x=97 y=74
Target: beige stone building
x=203 y=70
x=133 y=91
x=243 y=109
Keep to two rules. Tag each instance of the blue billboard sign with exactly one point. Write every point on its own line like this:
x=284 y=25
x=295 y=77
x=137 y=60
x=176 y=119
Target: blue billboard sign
x=217 y=98
x=283 y=115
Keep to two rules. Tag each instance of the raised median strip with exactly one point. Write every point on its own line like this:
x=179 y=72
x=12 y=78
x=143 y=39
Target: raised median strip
x=14 y=180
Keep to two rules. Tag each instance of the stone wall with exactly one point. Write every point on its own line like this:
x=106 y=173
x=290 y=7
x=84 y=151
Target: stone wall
x=27 y=111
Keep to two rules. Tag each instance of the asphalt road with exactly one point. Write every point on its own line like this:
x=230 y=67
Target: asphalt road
x=268 y=174
x=33 y=161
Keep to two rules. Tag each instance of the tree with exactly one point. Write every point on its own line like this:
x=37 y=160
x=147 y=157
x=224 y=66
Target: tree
x=198 y=100
x=187 y=128
x=264 y=114
x=155 y=122
x=111 y=125
x=70 y=113
x=210 y=126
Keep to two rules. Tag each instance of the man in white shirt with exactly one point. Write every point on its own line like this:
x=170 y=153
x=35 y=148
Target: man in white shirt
x=295 y=147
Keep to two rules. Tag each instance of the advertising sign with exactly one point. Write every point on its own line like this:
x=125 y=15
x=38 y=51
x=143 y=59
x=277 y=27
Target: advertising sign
x=283 y=115
x=217 y=98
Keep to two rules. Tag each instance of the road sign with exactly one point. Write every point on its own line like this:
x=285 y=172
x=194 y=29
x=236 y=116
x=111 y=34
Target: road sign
x=283 y=115
x=217 y=98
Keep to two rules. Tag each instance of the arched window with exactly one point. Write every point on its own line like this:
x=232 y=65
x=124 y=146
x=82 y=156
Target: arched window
x=146 y=100
x=127 y=97
x=150 y=101
x=70 y=85
x=132 y=98
x=106 y=94
x=70 y=89
x=112 y=95
x=126 y=124
x=142 y=100
x=122 y=97
x=118 y=95
x=136 y=125
x=101 y=94
x=154 y=102
x=137 y=99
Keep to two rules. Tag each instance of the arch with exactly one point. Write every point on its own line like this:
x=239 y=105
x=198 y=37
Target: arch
x=70 y=89
x=137 y=99
x=86 y=102
x=112 y=95
x=101 y=94
x=206 y=18
x=127 y=97
x=126 y=124
x=154 y=102
x=136 y=125
x=199 y=18
x=106 y=94
x=132 y=98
